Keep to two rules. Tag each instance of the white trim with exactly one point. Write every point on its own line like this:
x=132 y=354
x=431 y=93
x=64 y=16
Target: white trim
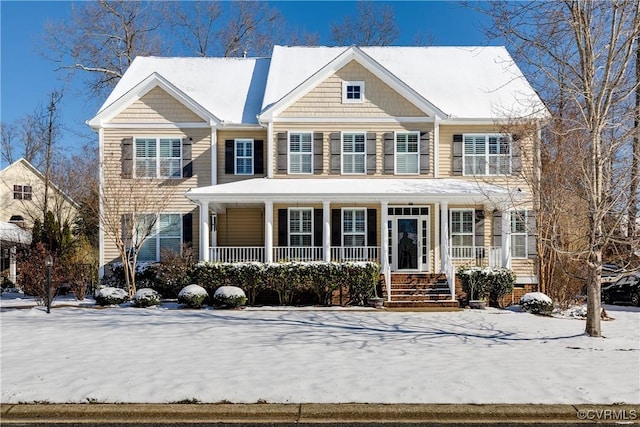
x=204 y=231
x=289 y=132
x=326 y=235
x=436 y=148
x=268 y=231
x=395 y=152
x=101 y=204
x=353 y=120
x=214 y=156
x=353 y=83
x=270 y=150
x=147 y=125
x=364 y=153
x=235 y=157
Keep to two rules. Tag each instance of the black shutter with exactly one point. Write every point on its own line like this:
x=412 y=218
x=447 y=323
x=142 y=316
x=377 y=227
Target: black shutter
x=497 y=228
x=389 y=142
x=317 y=152
x=258 y=157
x=532 y=233
x=187 y=229
x=372 y=227
x=424 y=152
x=282 y=152
x=187 y=164
x=283 y=227
x=335 y=153
x=516 y=156
x=336 y=227
x=229 y=157
x=479 y=229
x=457 y=164
x=127 y=158
x=318 y=225
x=371 y=152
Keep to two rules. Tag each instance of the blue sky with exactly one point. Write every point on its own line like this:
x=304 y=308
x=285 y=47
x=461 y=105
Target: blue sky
x=26 y=78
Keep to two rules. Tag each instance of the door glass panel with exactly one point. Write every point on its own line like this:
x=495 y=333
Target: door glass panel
x=407 y=243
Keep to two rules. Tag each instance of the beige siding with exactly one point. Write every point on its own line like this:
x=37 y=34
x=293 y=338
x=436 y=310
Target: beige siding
x=325 y=100
x=152 y=195
x=241 y=227
x=157 y=106
x=327 y=128
x=223 y=136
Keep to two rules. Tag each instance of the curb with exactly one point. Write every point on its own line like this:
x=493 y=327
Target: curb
x=316 y=413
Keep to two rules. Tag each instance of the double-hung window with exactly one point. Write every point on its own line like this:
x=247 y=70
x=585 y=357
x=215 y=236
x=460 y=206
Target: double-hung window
x=22 y=192
x=407 y=153
x=462 y=237
x=300 y=227
x=354 y=227
x=158 y=157
x=353 y=152
x=165 y=234
x=244 y=156
x=300 y=152
x=353 y=92
x=487 y=154
x=519 y=234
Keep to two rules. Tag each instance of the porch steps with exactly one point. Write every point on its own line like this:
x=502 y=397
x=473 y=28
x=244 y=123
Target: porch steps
x=419 y=291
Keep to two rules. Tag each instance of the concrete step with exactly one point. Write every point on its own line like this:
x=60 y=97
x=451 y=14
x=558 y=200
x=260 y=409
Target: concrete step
x=453 y=305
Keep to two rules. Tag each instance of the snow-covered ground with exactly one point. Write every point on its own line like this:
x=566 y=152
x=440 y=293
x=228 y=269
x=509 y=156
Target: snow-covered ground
x=126 y=354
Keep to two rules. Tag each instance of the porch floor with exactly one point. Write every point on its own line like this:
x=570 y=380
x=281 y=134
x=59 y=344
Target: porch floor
x=419 y=291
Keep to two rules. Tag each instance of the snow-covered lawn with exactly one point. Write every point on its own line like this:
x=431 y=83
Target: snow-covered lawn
x=80 y=354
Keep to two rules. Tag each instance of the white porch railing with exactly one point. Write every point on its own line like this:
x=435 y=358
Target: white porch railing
x=237 y=254
x=288 y=253
x=491 y=256
x=355 y=253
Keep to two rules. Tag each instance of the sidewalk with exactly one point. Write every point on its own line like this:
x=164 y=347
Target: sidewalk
x=315 y=413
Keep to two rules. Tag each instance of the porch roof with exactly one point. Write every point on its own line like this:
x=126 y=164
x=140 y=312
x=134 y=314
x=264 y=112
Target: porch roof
x=418 y=190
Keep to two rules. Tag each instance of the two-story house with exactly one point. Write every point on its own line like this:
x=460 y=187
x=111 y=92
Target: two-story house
x=400 y=155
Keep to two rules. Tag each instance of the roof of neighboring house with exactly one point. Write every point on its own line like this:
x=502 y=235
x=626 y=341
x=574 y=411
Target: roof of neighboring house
x=453 y=82
x=12 y=233
x=352 y=190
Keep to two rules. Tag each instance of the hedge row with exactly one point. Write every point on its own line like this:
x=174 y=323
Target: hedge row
x=288 y=280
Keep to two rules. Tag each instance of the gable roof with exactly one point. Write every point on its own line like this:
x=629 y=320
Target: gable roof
x=462 y=82
x=229 y=89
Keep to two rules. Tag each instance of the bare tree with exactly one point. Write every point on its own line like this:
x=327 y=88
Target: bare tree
x=196 y=24
x=373 y=25
x=103 y=38
x=584 y=50
x=252 y=29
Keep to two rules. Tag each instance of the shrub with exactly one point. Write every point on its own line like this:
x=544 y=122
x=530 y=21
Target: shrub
x=501 y=282
x=192 y=296
x=111 y=296
x=536 y=303
x=478 y=282
x=229 y=297
x=474 y=282
x=173 y=273
x=33 y=273
x=146 y=297
x=362 y=278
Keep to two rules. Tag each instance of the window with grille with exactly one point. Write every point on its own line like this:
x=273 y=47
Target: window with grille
x=354 y=227
x=244 y=156
x=519 y=234
x=22 y=192
x=300 y=152
x=353 y=153
x=158 y=157
x=407 y=153
x=353 y=92
x=301 y=227
x=487 y=155
x=165 y=235
x=462 y=233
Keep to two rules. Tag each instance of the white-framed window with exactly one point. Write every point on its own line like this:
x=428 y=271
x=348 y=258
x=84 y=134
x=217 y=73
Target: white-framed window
x=407 y=155
x=519 y=234
x=353 y=92
x=354 y=227
x=22 y=192
x=462 y=232
x=300 y=152
x=487 y=154
x=166 y=235
x=244 y=156
x=158 y=157
x=300 y=227
x=354 y=152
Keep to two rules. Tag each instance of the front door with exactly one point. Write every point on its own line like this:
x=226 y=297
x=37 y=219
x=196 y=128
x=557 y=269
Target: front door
x=409 y=238
x=407 y=243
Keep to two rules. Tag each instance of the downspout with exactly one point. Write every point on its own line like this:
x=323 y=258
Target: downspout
x=214 y=155
x=436 y=148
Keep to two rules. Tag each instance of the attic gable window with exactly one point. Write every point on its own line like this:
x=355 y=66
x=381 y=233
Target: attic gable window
x=22 y=192
x=353 y=92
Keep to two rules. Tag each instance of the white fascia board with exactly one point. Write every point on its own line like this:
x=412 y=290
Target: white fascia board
x=146 y=125
x=353 y=119
x=142 y=88
x=352 y=53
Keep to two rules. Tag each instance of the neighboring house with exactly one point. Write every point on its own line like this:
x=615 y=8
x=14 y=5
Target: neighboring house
x=22 y=194
x=400 y=155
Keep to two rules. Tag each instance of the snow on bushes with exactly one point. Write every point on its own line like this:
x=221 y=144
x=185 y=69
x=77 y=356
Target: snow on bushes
x=480 y=282
x=146 y=297
x=229 y=297
x=192 y=296
x=111 y=296
x=536 y=303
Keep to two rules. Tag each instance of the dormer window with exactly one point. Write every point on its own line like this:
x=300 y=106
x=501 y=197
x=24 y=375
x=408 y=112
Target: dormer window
x=352 y=92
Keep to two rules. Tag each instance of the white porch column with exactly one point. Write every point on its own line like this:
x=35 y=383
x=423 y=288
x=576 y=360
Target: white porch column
x=204 y=231
x=214 y=155
x=506 y=238
x=436 y=238
x=270 y=150
x=436 y=148
x=326 y=230
x=384 y=245
x=268 y=231
x=444 y=237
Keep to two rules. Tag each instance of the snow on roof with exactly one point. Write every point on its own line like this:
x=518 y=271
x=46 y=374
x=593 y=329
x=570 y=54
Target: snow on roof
x=229 y=88
x=12 y=233
x=371 y=189
x=464 y=82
